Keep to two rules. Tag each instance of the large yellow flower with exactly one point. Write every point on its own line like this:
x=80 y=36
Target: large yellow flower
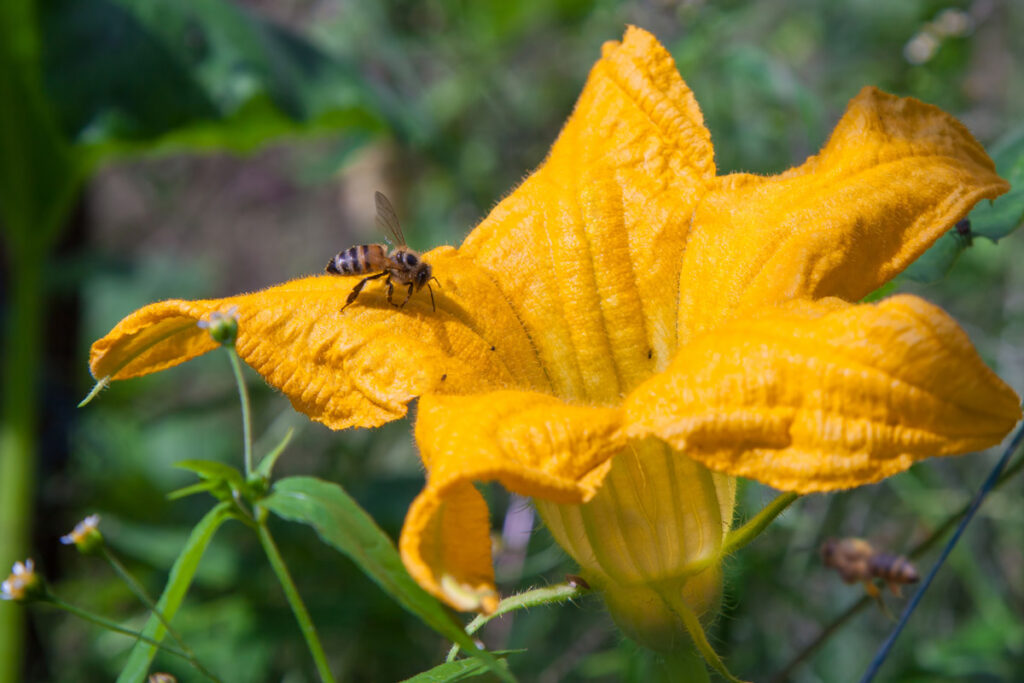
x=627 y=332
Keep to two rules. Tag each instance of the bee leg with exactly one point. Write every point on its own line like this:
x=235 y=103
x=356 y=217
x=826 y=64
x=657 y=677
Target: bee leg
x=895 y=589
x=871 y=589
x=407 y=296
x=391 y=290
x=432 y=306
x=358 y=288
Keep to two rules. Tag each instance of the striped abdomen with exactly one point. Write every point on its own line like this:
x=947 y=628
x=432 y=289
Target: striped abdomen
x=357 y=260
x=893 y=568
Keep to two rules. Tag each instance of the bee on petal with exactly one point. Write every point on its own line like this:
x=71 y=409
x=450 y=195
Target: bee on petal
x=402 y=265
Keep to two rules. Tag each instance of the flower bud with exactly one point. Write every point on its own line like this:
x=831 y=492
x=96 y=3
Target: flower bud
x=23 y=585
x=85 y=536
x=651 y=541
x=223 y=327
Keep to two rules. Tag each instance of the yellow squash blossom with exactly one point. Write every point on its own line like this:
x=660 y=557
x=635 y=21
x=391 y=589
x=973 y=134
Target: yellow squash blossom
x=628 y=332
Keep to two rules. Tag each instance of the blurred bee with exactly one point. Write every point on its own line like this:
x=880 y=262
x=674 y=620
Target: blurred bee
x=402 y=265
x=857 y=560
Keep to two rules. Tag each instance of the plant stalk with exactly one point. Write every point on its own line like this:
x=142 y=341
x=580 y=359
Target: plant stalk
x=243 y=397
x=143 y=596
x=295 y=600
x=110 y=625
x=21 y=358
x=737 y=538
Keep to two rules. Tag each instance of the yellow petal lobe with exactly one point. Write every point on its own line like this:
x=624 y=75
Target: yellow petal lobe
x=359 y=367
x=894 y=176
x=819 y=396
x=587 y=249
x=533 y=444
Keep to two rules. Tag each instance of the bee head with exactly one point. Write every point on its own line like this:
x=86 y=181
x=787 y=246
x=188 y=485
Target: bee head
x=421 y=274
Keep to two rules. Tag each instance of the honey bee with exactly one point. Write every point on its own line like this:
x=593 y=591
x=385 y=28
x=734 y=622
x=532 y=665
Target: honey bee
x=857 y=560
x=402 y=265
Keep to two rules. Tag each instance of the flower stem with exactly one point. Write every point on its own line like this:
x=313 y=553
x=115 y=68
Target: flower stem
x=737 y=538
x=243 y=397
x=295 y=600
x=548 y=595
x=111 y=626
x=143 y=596
x=684 y=664
x=700 y=640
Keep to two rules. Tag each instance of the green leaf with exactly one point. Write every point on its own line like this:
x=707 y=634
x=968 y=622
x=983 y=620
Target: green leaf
x=458 y=670
x=995 y=220
x=213 y=471
x=38 y=177
x=163 y=75
x=342 y=524
x=200 y=487
x=266 y=466
x=178 y=582
x=450 y=671
x=939 y=259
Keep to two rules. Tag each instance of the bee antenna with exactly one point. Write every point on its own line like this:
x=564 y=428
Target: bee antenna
x=429 y=289
x=437 y=281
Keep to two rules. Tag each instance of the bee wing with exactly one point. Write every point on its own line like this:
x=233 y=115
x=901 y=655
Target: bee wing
x=387 y=219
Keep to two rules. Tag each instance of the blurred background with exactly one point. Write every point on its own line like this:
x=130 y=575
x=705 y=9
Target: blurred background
x=200 y=149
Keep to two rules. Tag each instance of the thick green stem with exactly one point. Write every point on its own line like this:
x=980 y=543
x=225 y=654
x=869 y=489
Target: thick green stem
x=243 y=397
x=295 y=600
x=21 y=355
x=683 y=664
x=737 y=538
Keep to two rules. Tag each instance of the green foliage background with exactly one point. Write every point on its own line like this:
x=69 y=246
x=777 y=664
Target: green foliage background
x=228 y=146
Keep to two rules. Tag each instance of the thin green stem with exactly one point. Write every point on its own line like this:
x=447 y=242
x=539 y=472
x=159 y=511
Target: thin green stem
x=295 y=600
x=737 y=538
x=700 y=639
x=143 y=596
x=110 y=625
x=548 y=595
x=243 y=397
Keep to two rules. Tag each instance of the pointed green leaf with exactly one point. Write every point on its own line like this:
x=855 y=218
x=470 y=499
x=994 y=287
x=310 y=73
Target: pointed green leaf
x=213 y=471
x=990 y=219
x=200 y=487
x=995 y=220
x=342 y=524
x=266 y=466
x=184 y=569
x=461 y=670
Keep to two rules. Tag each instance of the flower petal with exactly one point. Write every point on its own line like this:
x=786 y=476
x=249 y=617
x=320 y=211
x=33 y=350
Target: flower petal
x=359 y=367
x=826 y=395
x=534 y=444
x=584 y=248
x=895 y=175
